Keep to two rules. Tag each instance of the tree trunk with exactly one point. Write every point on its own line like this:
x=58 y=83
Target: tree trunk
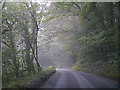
x=29 y=61
x=13 y=50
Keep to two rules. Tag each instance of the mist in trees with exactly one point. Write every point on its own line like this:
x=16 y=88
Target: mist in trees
x=89 y=34
x=81 y=36
x=95 y=44
x=20 y=26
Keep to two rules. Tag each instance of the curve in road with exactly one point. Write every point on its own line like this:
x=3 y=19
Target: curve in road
x=64 y=78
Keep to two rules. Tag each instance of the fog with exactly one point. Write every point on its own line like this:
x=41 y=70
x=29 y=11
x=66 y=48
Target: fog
x=56 y=36
x=55 y=56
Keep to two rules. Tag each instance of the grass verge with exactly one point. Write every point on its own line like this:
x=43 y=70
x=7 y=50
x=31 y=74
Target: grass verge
x=32 y=81
x=105 y=69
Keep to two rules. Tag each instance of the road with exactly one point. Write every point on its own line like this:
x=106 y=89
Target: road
x=64 y=78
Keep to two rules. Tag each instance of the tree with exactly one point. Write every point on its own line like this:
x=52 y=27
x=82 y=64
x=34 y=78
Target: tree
x=96 y=42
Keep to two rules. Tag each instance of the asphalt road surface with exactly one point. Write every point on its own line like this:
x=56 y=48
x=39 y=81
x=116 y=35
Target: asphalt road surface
x=64 y=78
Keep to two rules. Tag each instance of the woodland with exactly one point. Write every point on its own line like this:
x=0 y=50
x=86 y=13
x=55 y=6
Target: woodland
x=87 y=31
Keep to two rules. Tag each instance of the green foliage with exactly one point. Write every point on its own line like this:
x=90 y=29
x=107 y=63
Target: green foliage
x=31 y=81
x=108 y=69
x=96 y=44
x=19 y=40
x=94 y=47
x=48 y=19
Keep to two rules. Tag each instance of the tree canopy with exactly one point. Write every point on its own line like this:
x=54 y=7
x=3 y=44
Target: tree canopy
x=87 y=31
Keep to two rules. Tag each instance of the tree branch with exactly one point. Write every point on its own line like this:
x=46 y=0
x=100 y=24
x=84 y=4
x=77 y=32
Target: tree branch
x=9 y=26
x=76 y=5
x=5 y=44
x=2 y=5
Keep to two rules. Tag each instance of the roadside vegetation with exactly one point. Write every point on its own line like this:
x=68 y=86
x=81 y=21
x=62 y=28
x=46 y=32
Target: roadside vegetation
x=94 y=47
x=20 y=27
x=31 y=80
x=91 y=44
